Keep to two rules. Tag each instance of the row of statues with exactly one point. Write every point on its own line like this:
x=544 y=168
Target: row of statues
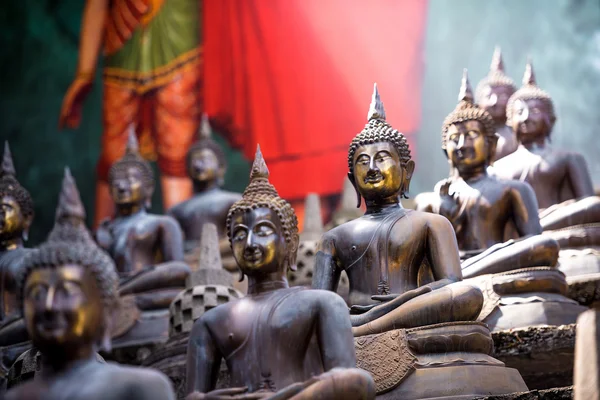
x=425 y=285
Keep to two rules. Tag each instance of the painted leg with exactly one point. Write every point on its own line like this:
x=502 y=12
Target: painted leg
x=175 y=190
x=104 y=207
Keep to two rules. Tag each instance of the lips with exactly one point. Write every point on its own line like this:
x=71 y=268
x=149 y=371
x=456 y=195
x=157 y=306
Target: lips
x=373 y=178
x=253 y=256
x=465 y=153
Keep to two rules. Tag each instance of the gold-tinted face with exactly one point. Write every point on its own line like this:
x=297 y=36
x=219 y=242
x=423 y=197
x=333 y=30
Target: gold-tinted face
x=378 y=173
x=495 y=99
x=127 y=187
x=257 y=241
x=11 y=218
x=204 y=165
x=62 y=307
x=466 y=146
x=531 y=120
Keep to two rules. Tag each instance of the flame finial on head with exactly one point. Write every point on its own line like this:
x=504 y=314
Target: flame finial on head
x=465 y=93
x=133 y=146
x=376 y=110
x=259 y=167
x=205 y=128
x=8 y=167
x=529 y=75
x=497 y=61
x=69 y=200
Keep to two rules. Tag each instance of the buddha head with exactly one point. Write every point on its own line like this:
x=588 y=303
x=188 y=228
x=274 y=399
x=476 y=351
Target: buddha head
x=16 y=205
x=379 y=163
x=206 y=161
x=468 y=134
x=262 y=227
x=530 y=110
x=131 y=179
x=68 y=286
x=495 y=89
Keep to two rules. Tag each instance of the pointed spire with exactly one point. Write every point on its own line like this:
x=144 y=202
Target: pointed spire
x=497 y=61
x=376 y=110
x=210 y=256
x=8 y=168
x=69 y=201
x=313 y=221
x=133 y=146
x=466 y=93
x=205 y=128
x=259 y=167
x=348 y=196
x=529 y=75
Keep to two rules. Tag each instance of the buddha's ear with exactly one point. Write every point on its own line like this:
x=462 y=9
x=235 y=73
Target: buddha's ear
x=221 y=176
x=409 y=168
x=26 y=225
x=292 y=250
x=110 y=313
x=492 y=144
x=353 y=182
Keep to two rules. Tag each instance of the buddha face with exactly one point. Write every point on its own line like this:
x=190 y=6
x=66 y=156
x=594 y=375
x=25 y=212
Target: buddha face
x=494 y=101
x=258 y=242
x=204 y=165
x=530 y=120
x=378 y=173
x=11 y=218
x=62 y=307
x=127 y=187
x=466 y=145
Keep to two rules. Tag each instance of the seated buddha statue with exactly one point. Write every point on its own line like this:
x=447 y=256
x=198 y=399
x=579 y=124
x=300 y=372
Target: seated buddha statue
x=206 y=165
x=482 y=207
x=68 y=291
x=277 y=341
x=492 y=95
x=147 y=248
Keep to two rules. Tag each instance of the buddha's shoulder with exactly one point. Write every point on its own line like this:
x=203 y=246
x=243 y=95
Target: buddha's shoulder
x=142 y=380
x=229 y=196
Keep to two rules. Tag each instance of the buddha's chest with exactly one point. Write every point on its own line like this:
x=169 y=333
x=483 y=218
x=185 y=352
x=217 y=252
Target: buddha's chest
x=482 y=201
x=133 y=241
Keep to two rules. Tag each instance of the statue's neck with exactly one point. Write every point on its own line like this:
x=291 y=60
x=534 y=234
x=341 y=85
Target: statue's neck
x=127 y=210
x=267 y=283
x=500 y=122
x=379 y=205
x=68 y=360
x=536 y=144
x=205 y=186
x=11 y=244
x=473 y=173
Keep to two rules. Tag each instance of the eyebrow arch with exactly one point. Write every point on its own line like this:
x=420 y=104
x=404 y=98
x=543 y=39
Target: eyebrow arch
x=384 y=152
x=271 y=225
x=240 y=226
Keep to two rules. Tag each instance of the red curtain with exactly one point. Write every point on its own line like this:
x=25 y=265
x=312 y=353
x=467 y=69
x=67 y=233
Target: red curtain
x=296 y=76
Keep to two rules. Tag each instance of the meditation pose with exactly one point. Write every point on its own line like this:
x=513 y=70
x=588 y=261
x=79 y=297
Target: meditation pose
x=492 y=95
x=560 y=179
x=147 y=248
x=480 y=206
x=383 y=251
x=277 y=341
x=16 y=215
x=68 y=290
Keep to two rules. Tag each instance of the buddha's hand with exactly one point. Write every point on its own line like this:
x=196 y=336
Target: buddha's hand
x=237 y=393
x=389 y=302
x=449 y=206
x=70 y=112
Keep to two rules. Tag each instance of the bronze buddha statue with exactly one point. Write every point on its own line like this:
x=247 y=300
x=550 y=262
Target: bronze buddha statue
x=206 y=165
x=382 y=252
x=492 y=95
x=269 y=339
x=68 y=290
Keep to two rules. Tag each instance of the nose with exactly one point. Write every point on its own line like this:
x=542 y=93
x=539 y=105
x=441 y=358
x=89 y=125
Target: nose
x=524 y=115
x=372 y=166
x=493 y=100
x=250 y=244
x=121 y=185
x=50 y=299
x=461 y=141
x=198 y=164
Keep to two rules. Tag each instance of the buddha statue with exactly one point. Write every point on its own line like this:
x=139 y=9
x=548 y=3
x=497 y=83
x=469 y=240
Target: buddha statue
x=482 y=208
x=413 y=319
x=206 y=165
x=492 y=95
x=68 y=290
x=277 y=341
x=147 y=248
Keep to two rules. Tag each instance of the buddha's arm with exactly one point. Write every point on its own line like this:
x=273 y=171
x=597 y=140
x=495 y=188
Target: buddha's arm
x=525 y=209
x=172 y=240
x=579 y=177
x=203 y=359
x=442 y=249
x=334 y=333
x=326 y=274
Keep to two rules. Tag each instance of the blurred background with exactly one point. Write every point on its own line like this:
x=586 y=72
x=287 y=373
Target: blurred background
x=296 y=76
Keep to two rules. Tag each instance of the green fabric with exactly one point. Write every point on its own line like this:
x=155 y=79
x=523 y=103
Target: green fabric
x=174 y=31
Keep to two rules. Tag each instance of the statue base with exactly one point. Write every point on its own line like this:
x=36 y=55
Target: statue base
x=582 y=269
x=563 y=393
x=450 y=360
x=543 y=355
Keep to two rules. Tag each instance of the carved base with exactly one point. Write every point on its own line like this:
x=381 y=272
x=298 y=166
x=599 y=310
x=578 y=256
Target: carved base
x=543 y=355
x=564 y=393
x=438 y=361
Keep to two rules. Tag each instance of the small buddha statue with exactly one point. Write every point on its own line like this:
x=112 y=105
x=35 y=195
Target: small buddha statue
x=277 y=341
x=492 y=95
x=480 y=206
x=382 y=252
x=147 y=248
x=68 y=293
x=560 y=179
x=206 y=165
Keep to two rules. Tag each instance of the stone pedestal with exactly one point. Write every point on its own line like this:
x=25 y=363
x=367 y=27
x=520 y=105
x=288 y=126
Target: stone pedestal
x=439 y=361
x=564 y=393
x=543 y=355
